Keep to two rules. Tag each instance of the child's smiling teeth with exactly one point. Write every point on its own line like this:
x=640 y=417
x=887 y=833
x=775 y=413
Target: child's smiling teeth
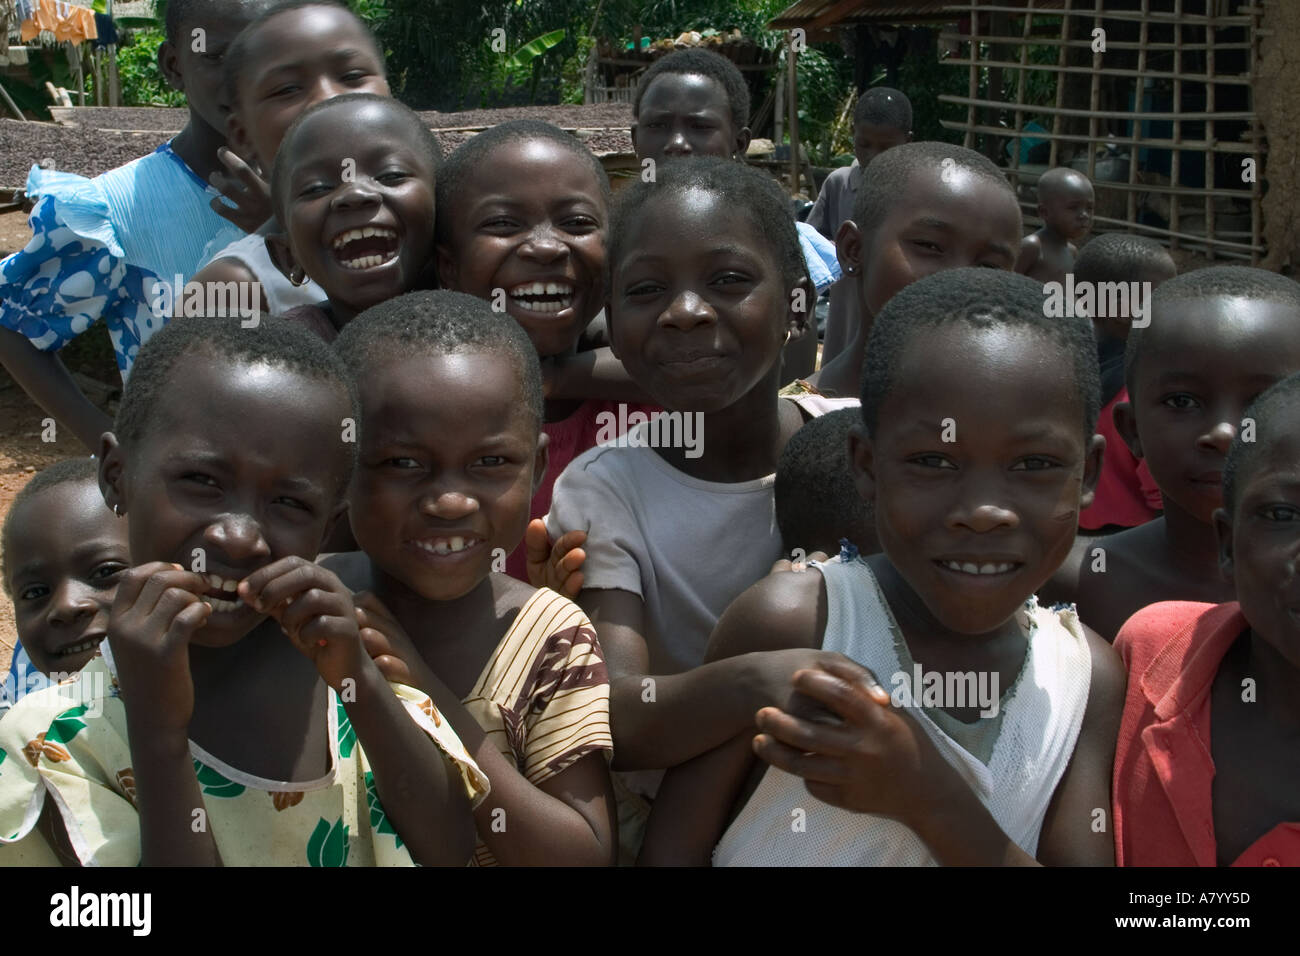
x=446 y=545
x=377 y=243
x=970 y=567
x=79 y=648
x=225 y=586
x=544 y=297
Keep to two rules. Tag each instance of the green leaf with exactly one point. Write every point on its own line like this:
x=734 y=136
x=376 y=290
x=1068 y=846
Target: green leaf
x=66 y=726
x=328 y=844
x=378 y=819
x=533 y=49
x=213 y=783
x=347 y=736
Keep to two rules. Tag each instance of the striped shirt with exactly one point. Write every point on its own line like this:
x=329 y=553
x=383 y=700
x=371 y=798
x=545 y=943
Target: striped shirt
x=543 y=697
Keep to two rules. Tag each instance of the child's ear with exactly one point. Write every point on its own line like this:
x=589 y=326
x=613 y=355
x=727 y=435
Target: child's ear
x=848 y=247
x=803 y=299
x=1126 y=425
x=340 y=512
x=1223 y=534
x=111 y=483
x=1092 y=460
x=281 y=253
x=542 y=459
x=742 y=142
x=862 y=461
x=447 y=271
x=169 y=62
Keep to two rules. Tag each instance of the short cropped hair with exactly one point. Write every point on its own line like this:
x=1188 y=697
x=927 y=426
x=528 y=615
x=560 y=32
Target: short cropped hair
x=474 y=151
x=884 y=106
x=1055 y=179
x=440 y=323
x=700 y=62
x=275 y=342
x=59 y=473
x=741 y=187
x=981 y=298
x=1119 y=257
x=235 y=62
x=817 y=502
x=885 y=179
x=420 y=136
x=1236 y=282
x=181 y=14
x=1265 y=410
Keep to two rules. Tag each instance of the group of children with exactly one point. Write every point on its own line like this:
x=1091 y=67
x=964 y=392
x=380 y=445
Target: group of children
x=367 y=581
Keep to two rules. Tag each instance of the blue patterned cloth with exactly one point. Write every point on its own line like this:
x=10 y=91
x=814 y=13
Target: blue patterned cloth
x=99 y=245
x=820 y=257
x=23 y=678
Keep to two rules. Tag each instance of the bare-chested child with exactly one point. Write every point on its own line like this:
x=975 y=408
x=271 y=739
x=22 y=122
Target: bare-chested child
x=1218 y=338
x=1065 y=202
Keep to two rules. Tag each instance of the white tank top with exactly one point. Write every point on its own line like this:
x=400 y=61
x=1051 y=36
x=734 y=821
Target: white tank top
x=1041 y=717
x=281 y=294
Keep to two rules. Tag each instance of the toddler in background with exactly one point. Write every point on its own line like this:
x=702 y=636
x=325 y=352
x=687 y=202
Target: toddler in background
x=62 y=552
x=1065 y=202
x=882 y=119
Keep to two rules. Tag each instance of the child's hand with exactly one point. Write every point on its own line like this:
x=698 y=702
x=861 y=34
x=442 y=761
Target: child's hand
x=155 y=613
x=314 y=609
x=788 y=564
x=557 y=567
x=386 y=641
x=243 y=187
x=876 y=760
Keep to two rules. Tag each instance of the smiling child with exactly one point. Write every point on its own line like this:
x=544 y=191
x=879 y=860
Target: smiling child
x=353 y=187
x=451 y=450
x=1065 y=203
x=62 y=552
x=978 y=451
x=240 y=688
x=1189 y=790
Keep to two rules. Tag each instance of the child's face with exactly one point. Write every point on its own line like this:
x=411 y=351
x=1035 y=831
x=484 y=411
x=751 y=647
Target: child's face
x=1068 y=208
x=686 y=114
x=193 y=64
x=935 y=225
x=357 y=169
x=243 y=464
x=872 y=139
x=298 y=59
x=531 y=221
x=1263 y=537
x=432 y=499
x=66 y=551
x=1202 y=363
x=698 y=312
x=1002 y=497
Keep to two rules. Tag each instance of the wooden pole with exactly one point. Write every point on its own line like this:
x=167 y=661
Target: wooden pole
x=791 y=58
x=1139 y=92
x=1175 y=155
x=1021 y=81
x=1094 y=102
x=1209 y=134
x=973 y=81
x=1054 y=152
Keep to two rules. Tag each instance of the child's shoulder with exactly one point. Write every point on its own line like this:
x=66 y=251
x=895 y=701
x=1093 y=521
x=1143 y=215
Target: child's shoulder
x=785 y=609
x=1174 y=630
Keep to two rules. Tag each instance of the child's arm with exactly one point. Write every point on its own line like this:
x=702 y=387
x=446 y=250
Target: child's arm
x=566 y=820
x=1031 y=250
x=663 y=720
x=240 y=185
x=595 y=374
x=43 y=376
x=1078 y=829
x=421 y=792
x=155 y=612
x=694 y=801
x=228 y=269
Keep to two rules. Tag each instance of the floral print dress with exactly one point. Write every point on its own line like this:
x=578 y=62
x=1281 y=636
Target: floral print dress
x=68 y=743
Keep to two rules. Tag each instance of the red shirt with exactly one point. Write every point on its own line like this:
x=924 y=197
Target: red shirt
x=1163 y=767
x=1126 y=493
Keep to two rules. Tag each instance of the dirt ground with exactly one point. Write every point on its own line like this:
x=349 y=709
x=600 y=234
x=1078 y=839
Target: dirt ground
x=22 y=453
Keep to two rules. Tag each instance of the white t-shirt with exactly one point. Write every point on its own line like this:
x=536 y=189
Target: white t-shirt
x=687 y=547
x=281 y=294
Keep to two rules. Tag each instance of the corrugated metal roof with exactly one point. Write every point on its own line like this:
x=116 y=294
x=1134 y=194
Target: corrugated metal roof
x=823 y=14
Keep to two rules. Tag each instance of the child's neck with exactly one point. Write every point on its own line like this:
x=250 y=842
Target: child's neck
x=1277 y=679
x=842 y=375
x=742 y=442
x=1051 y=239
x=1193 y=547
x=197 y=145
